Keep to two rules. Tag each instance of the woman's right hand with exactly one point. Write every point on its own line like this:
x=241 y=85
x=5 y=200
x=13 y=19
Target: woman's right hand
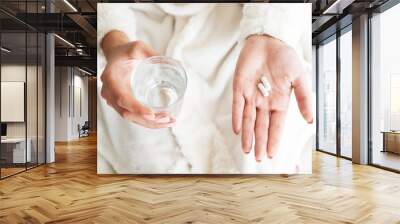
x=116 y=89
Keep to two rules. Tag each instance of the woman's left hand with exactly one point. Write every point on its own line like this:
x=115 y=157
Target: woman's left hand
x=264 y=116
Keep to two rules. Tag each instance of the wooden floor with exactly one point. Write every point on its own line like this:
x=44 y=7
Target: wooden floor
x=70 y=191
x=5 y=172
x=8 y=171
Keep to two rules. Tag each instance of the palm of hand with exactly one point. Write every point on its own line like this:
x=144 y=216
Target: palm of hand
x=262 y=117
x=117 y=90
x=117 y=76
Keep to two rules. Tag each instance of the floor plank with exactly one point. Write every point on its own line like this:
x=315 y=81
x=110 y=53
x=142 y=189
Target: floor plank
x=70 y=191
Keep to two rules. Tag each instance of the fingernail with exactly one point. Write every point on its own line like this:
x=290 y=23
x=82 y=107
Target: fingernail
x=258 y=160
x=149 y=116
x=311 y=121
x=163 y=120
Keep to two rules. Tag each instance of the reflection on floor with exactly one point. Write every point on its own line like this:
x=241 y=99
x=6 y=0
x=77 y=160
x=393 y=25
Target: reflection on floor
x=346 y=152
x=11 y=169
x=70 y=191
x=387 y=159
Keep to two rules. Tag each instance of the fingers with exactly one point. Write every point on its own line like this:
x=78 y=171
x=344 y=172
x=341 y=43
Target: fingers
x=140 y=50
x=136 y=112
x=275 y=130
x=120 y=95
x=162 y=120
x=237 y=111
x=303 y=97
x=249 y=116
x=127 y=102
x=116 y=89
x=261 y=134
x=120 y=92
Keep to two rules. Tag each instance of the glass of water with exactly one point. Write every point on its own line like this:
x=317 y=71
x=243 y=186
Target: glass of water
x=160 y=83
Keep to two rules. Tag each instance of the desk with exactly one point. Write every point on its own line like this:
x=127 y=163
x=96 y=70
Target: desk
x=13 y=150
x=391 y=141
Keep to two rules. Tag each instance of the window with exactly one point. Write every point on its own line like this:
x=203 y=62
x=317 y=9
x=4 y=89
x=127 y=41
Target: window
x=327 y=96
x=346 y=93
x=385 y=89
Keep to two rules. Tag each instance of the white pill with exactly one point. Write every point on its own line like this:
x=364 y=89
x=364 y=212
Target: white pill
x=265 y=82
x=262 y=89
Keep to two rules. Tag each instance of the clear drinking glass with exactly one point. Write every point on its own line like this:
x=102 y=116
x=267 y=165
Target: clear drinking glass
x=160 y=83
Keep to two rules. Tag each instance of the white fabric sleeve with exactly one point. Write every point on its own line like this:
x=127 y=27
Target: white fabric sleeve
x=288 y=22
x=115 y=16
x=284 y=21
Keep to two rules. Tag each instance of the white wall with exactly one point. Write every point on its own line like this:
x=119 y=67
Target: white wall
x=62 y=81
x=79 y=117
x=12 y=73
x=69 y=82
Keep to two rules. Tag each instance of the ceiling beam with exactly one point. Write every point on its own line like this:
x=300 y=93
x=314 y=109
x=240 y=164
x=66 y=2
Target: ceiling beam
x=77 y=61
x=337 y=7
x=86 y=27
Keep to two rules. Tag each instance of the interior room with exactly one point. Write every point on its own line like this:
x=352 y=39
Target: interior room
x=22 y=102
x=49 y=107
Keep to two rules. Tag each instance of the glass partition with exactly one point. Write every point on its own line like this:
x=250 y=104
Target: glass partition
x=22 y=90
x=327 y=96
x=41 y=88
x=13 y=105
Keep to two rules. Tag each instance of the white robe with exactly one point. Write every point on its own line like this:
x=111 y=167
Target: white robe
x=207 y=39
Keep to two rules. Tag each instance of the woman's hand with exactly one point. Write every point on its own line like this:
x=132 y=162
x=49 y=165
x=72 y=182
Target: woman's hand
x=264 y=116
x=116 y=89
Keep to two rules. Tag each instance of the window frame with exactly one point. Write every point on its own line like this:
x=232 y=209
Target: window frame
x=334 y=37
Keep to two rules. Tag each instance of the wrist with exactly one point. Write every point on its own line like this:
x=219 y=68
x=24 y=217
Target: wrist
x=264 y=38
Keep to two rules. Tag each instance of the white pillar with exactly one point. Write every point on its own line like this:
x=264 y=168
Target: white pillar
x=50 y=99
x=50 y=92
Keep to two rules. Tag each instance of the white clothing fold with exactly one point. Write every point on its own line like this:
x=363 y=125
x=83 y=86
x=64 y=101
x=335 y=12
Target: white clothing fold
x=207 y=39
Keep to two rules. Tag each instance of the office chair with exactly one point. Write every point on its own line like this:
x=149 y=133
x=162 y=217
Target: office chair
x=84 y=130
